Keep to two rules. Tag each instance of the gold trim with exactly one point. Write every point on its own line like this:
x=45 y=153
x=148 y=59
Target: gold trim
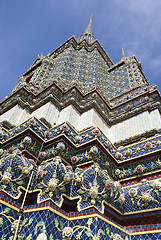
x=80 y=217
x=9 y=205
x=140 y=175
x=148 y=232
x=115 y=160
x=136 y=184
x=132 y=144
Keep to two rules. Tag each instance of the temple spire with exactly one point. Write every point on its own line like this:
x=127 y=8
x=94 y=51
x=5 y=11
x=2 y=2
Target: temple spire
x=123 y=53
x=89 y=27
x=88 y=33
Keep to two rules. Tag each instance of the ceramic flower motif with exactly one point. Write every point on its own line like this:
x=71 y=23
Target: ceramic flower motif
x=41 y=236
x=31 y=122
x=139 y=169
x=93 y=192
x=107 y=164
x=96 y=167
x=121 y=199
x=78 y=139
x=155 y=86
x=74 y=160
x=6 y=178
x=11 y=150
x=79 y=180
x=93 y=150
x=1 y=152
x=133 y=192
x=97 y=192
x=118 y=155
x=148 y=145
x=146 y=197
x=60 y=146
x=40 y=174
x=117 y=172
x=26 y=171
x=52 y=184
x=117 y=185
x=108 y=145
x=64 y=128
x=117 y=237
x=96 y=132
x=47 y=134
x=94 y=95
x=27 y=140
x=67 y=178
x=158 y=143
x=67 y=233
x=128 y=152
x=57 y=160
x=156 y=185
x=108 y=184
x=14 y=226
x=42 y=155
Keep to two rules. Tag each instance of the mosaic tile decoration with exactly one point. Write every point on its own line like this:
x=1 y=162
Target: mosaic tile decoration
x=43 y=223
x=60 y=183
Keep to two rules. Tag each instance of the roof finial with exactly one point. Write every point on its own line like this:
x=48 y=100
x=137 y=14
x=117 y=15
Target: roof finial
x=89 y=27
x=123 y=53
x=88 y=33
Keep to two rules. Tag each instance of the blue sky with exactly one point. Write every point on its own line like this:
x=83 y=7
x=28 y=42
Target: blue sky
x=32 y=27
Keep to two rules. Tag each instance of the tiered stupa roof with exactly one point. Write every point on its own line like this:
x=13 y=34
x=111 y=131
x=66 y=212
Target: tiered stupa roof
x=84 y=60
x=80 y=148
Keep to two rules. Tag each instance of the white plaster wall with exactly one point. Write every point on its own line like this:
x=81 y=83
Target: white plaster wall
x=97 y=121
x=25 y=115
x=52 y=113
x=135 y=125
x=13 y=115
x=69 y=114
x=18 y=115
x=40 y=112
x=128 y=128
x=155 y=119
x=84 y=120
x=7 y=115
x=48 y=111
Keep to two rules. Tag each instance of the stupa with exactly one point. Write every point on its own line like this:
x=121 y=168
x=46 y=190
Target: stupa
x=80 y=148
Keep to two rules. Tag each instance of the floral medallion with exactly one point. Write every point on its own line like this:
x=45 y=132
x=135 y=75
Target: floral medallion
x=41 y=236
x=52 y=184
x=133 y=192
x=93 y=192
x=60 y=146
x=6 y=178
x=27 y=140
x=117 y=237
x=67 y=233
x=14 y=226
x=93 y=150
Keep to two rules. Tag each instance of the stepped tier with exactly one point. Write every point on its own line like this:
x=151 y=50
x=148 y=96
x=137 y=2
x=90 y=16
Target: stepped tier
x=80 y=148
x=131 y=118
